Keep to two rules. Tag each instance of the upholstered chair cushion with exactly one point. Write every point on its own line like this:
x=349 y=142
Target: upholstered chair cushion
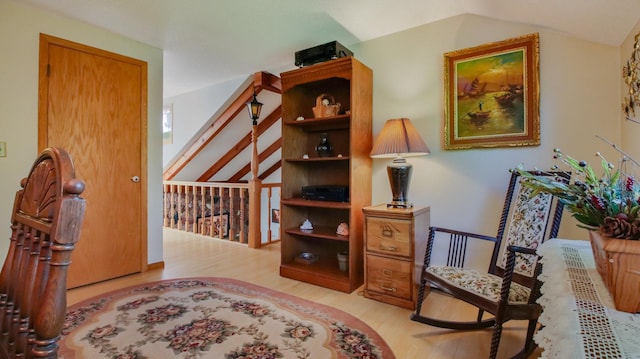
x=484 y=284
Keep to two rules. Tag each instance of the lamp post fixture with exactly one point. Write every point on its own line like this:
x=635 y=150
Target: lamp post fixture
x=254 y=107
x=255 y=186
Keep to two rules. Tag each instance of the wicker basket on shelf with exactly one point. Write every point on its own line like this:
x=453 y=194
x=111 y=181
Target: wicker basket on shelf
x=325 y=106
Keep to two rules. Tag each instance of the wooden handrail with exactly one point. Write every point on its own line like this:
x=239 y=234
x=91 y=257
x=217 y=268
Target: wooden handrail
x=240 y=146
x=261 y=81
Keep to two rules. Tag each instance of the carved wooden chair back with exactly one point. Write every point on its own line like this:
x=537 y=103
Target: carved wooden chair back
x=510 y=288
x=45 y=226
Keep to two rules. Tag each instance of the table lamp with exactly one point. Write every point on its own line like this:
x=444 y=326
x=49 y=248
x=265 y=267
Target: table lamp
x=399 y=139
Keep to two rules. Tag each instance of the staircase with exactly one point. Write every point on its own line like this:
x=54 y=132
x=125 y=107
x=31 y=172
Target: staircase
x=215 y=165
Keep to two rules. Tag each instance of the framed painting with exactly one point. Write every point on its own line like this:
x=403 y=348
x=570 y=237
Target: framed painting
x=631 y=77
x=275 y=215
x=492 y=95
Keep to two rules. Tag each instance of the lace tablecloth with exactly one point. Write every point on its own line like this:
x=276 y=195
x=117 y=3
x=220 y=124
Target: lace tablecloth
x=579 y=319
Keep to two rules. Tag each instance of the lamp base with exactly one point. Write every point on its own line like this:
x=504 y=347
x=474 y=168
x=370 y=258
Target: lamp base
x=399 y=172
x=397 y=204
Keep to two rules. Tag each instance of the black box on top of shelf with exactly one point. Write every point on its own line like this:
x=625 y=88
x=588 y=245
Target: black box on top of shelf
x=321 y=53
x=326 y=193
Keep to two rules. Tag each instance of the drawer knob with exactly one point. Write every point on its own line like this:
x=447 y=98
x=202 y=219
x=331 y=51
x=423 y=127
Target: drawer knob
x=390 y=249
x=388 y=289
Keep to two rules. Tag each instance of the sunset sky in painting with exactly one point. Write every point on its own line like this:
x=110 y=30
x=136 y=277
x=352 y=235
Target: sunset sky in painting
x=494 y=69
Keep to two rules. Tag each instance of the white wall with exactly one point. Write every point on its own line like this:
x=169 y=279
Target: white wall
x=579 y=98
x=194 y=109
x=20 y=27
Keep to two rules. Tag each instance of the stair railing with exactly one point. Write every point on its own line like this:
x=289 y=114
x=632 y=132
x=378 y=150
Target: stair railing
x=220 y=210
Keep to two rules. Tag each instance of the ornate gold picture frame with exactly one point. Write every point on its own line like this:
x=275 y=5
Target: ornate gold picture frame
x=492 y=95
x=631 y=77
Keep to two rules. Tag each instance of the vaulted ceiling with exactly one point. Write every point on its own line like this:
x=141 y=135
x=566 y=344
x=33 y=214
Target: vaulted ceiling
x=206 y=42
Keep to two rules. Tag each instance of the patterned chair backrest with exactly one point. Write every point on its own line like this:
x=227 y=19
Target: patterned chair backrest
x=527 y=222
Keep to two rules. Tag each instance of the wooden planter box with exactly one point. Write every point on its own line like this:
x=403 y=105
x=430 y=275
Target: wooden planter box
x=618 y=263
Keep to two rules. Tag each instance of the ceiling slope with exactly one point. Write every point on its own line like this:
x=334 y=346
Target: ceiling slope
x=207 y=42
x=224 y=141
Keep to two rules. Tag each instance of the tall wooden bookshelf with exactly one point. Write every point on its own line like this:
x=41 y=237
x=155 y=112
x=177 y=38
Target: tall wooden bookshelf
x=349 y=82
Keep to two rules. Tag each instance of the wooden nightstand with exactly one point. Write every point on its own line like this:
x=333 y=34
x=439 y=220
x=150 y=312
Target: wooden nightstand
x=395 y=241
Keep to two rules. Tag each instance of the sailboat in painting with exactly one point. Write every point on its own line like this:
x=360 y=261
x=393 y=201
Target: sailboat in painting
x=476 y=88
x=505 y=98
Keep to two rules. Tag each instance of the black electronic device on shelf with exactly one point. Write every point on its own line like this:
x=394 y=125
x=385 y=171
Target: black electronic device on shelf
x=326 y=193
x=321 y=53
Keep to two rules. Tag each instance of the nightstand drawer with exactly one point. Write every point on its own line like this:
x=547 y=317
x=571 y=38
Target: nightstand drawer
x=389 y=236
x=389 y=276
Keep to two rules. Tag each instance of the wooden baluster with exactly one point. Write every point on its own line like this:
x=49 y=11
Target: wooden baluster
x=254 y=213
x=194 y=209
x=164 y=205
x=166 y=209
x=184 y=203
x=174 y=212
x=254 y=193
x=233 y=215
x=224 y=204
x=203 y=206
x=269 y=211
x=179 y=206
x=214 y=194
x=242 y=215
x=189 y=207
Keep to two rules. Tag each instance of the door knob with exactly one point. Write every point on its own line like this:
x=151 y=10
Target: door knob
x=135 y=179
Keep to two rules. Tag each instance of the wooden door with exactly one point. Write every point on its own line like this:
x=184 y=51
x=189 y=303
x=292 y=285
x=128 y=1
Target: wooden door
x=93 y=103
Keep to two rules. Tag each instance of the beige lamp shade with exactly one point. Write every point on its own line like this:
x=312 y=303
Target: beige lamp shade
x=399 y=138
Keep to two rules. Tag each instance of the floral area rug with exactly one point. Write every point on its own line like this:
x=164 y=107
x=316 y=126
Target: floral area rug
x=213 y=318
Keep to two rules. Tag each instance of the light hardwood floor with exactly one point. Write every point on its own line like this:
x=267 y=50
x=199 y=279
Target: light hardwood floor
x=190 y=255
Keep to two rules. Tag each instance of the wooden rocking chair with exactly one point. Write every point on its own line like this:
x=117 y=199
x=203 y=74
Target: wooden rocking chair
x=45 y=226
x=510 y=288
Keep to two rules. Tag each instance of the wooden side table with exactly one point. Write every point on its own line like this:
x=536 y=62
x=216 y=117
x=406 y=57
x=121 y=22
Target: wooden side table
x=395 y=241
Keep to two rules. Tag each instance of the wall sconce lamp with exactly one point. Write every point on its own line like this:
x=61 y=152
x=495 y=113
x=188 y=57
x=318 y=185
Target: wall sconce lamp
x=254 y=107
x=399 y=139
